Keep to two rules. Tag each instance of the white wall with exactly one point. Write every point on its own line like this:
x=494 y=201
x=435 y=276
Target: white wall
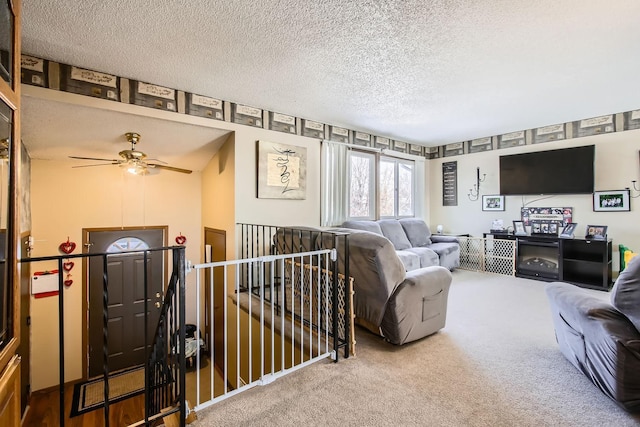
x=65 y=200
x=249 y=208
x=616 y=164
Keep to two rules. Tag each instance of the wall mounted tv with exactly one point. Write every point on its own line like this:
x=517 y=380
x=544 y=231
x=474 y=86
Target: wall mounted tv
x=564 y=171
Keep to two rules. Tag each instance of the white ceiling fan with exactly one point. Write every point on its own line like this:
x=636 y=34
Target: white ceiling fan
x=133 y=160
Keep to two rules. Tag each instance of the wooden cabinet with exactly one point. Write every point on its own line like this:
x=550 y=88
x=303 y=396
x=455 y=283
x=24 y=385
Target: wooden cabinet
x=10 y=413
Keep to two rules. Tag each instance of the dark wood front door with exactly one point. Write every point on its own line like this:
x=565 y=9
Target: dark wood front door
x=126 y=295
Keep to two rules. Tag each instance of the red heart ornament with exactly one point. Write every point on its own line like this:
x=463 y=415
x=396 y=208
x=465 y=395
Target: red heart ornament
x=68 y=265
x=181 y=240
x=68 y=282
x=67 y=247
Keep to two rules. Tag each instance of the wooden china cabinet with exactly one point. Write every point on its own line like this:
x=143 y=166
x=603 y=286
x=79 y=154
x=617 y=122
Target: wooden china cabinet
x=10 y=412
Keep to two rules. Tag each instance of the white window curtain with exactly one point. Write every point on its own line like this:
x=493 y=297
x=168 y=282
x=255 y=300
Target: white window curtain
x=333 y=203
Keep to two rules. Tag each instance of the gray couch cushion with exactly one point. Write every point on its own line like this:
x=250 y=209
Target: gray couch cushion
x=625 y=295
x=427 y=256
x=392 y=230
x=370 y=226
x=417 y=231
x=410 y=260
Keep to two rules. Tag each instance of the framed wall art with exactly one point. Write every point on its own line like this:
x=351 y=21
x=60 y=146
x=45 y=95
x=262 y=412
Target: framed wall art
x=282 y=171
x=611 y=201
x=493 y=203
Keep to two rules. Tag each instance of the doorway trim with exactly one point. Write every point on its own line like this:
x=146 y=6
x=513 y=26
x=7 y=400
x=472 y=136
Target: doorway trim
x=85 y=281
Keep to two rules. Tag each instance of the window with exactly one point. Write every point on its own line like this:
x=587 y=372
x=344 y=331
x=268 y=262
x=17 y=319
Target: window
x=127 y=244
x=361 y=185
x=395 y=188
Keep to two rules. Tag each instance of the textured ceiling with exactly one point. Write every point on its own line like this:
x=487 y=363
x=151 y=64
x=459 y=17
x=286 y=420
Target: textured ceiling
x=427 y=72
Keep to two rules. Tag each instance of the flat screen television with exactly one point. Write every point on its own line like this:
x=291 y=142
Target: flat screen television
x=564 y=171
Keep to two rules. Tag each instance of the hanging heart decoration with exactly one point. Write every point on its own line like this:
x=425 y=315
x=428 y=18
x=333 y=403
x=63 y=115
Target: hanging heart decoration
x=181 y=240
x=67 y=247
x=68 y=265
x=68 y=282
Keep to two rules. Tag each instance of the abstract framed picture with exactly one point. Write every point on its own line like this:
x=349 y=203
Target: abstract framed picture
x=282 y=171
x=611 y=201
x=493 y=203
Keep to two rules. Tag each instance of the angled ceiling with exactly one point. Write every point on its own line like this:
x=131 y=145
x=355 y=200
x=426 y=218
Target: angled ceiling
x=427 y=72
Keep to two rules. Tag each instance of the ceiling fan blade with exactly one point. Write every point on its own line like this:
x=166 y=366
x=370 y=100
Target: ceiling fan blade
x=89 y=166
x=171 y=168
x=93 y=158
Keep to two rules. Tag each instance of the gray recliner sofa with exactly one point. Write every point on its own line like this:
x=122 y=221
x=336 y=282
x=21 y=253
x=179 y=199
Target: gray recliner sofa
x=401 y=306
x=602 y=339
x=413 y=242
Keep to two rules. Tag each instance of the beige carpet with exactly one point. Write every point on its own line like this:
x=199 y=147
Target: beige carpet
x=496 y=363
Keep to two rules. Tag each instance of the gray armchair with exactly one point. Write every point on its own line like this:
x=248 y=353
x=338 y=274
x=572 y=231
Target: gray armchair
x=401 y=306
x=602 y=339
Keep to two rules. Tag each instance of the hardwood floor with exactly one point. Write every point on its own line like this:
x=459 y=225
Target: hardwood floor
x=44 y=406
x=44 y=411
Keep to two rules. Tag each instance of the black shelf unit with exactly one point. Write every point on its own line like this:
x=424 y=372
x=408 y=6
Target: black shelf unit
x=583 y=262
x=587 y=263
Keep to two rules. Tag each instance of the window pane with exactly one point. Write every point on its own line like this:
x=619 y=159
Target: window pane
x=387 y=188
x=360 y=180
x=127 y=244
x=405 y=189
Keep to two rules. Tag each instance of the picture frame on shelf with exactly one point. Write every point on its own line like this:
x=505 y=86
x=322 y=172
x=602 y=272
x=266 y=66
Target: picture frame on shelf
x=569 y=230
x=493 y=202
x=596 y=232
x=546 y=228
x=518 y=228
x=611 y=201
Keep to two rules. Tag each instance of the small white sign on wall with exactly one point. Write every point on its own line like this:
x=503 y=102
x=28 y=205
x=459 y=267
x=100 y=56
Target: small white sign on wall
x=43 y=284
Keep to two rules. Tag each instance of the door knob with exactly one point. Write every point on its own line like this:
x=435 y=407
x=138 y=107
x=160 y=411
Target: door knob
x=157 y=304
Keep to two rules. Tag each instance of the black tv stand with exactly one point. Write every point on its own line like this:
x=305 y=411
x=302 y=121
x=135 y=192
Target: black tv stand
x=583 y=262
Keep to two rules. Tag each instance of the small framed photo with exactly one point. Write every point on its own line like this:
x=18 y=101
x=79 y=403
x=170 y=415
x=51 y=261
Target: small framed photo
x=518 y=228
x=568 y=231
x=596 y=232
x=493 y=203
x=611 y=201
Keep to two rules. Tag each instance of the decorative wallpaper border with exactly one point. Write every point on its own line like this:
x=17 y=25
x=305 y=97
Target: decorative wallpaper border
x=69 y=78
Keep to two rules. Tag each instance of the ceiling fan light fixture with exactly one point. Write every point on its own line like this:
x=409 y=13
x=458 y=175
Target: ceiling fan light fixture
x=133 y=160
x=135 y=167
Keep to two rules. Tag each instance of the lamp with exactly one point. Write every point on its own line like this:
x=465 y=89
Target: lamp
x=474 y=193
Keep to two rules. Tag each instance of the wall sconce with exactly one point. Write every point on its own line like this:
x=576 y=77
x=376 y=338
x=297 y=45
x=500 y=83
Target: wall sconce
x=474 y=193
x=635 y=188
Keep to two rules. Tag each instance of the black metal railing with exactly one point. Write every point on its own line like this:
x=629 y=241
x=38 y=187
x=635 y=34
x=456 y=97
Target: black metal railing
x=263 y=240
x=165 y=365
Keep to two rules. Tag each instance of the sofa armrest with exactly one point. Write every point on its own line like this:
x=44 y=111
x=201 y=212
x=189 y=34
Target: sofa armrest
x=418 y=306
x=438 y=238
x=574 y=305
